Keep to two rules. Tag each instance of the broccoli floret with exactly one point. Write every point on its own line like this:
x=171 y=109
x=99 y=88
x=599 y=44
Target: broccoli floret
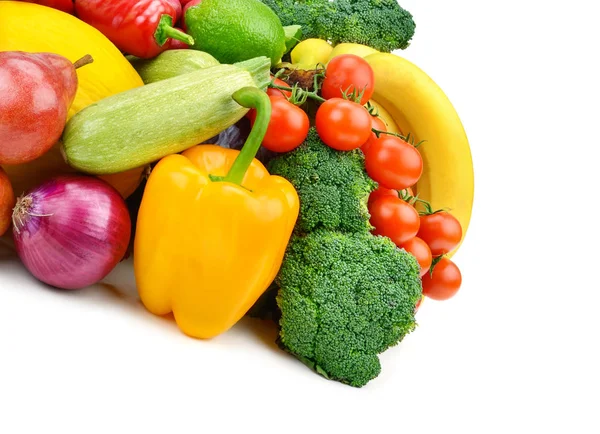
x=345 y=298
x=381 y=24
x=333 y=186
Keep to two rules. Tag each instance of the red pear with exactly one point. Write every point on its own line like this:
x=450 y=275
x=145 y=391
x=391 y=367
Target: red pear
x=7 y=202
x=37 y=91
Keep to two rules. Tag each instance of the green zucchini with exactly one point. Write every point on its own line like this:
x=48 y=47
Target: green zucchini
x=142 y=125
x=171 y=63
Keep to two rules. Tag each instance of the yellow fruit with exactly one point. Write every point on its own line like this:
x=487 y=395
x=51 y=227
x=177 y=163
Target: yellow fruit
x=310 y=52
x=33 y=28
x=389 y=121
x=349 y=48
x=421 y=108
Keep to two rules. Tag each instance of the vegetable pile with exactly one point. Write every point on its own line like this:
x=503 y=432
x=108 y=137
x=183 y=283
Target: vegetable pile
x=251 y=155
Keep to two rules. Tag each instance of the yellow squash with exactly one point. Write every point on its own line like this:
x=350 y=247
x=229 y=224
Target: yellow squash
x=34 y=28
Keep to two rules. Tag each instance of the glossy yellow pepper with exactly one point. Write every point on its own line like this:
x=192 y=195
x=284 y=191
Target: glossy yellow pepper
x=212 y=230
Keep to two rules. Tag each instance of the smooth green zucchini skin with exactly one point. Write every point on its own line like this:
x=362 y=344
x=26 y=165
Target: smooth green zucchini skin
x=171 y=63
x=142 y=125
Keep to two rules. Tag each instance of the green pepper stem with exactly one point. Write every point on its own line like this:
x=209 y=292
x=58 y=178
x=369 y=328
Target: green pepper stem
x=165 y=30
x=250 y=97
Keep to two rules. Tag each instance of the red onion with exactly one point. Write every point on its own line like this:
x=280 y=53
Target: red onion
x=71 y=231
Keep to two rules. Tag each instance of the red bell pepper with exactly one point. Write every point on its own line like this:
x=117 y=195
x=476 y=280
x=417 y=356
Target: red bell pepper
x=142 y=28
x=61 y=5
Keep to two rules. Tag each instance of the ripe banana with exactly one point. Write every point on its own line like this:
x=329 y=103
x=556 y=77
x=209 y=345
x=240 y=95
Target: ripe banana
x=419 y=107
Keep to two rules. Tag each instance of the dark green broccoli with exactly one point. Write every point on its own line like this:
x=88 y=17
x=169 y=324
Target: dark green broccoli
x=345 y=298
x=381 y=24
x=332 y=185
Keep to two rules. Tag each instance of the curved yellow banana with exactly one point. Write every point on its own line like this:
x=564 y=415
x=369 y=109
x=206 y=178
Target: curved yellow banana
x=389 y=121
x=421 y=108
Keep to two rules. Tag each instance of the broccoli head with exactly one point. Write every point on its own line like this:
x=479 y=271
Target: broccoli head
x=381 y=24
x=343 y=299
x=333 y=186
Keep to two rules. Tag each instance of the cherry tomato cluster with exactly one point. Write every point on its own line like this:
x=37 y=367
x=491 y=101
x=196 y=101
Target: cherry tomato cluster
x=343 y=122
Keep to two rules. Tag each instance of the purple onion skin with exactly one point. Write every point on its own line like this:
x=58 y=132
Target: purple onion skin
x=72 y=231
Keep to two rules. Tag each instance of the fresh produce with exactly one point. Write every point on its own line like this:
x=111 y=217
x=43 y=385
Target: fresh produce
x=344 y=295
x=288 y=126
x=142 y=125
x=142 y=28
x=344 y=298
x=380 y=192
x=332 y=186
x=394 y=218
x=176 y=44
x=377 y=125
x=382 y=24
x=52 y=31
x=26 y=176
x=351 y=48
x=37 y=91
x=171 y=63
x=62 y=5
x=310 y=53
x=420 y=250
x=342 y=124
x=443 y=281
x=7 y=201
x=271 y=91
x=71 y=231
x=350 y=75
x=212 y=230
x=393 y=163
x=126 y=182
x=236 y=30
x=421 y=108
x=441 y=231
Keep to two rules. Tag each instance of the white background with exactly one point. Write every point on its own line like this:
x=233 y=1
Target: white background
x=514 y=352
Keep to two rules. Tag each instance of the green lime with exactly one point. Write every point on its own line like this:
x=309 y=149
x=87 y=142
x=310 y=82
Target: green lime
x=236 y=30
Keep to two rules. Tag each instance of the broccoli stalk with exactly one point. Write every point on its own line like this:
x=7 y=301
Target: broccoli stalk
x=381 y=24
x=344 y=294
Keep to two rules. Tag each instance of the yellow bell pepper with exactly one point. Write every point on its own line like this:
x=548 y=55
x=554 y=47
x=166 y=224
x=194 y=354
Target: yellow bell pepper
x=212 y=231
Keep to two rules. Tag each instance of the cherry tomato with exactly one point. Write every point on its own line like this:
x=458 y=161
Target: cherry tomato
x=348 y=73
x=394 y=218
x=420 y=250
x=393 y=163
x=277 y=92
x=441 y=231
x=444 y=282
x=343 y=125
x=376 y=124
x=288 y=126
x=380 y=192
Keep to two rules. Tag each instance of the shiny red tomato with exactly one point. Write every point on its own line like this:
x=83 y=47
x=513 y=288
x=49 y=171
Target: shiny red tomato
x=277 y=92
x=380 y=192
x=343 y=125
x=376 y=124
x=393 y=163
x=441 y=231
x=420 y=250
x=348 y=73
x=394 y=218
x=287 y=128
x=444 y=282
